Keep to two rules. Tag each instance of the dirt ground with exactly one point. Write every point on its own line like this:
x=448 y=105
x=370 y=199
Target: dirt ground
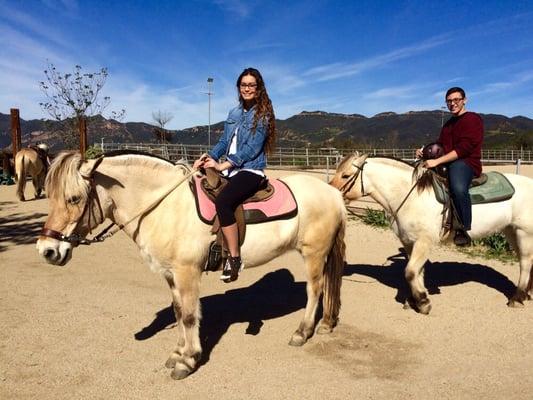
x=102 y=327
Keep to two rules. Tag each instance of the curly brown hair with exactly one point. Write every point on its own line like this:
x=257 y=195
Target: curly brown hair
x=263 y=107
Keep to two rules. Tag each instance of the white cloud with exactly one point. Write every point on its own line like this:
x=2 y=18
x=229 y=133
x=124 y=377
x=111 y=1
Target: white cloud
x=239 y=8
x=340 y=70
x=395 y=91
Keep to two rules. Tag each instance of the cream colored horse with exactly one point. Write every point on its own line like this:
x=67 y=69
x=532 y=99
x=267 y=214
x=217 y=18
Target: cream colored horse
x=28 y=162
x=418 y=221
x=174 y=242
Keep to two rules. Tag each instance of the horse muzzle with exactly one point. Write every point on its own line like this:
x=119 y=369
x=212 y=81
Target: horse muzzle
x=54 y=252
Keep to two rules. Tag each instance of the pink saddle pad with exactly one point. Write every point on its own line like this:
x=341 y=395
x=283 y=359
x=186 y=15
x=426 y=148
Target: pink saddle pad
x=282 y=205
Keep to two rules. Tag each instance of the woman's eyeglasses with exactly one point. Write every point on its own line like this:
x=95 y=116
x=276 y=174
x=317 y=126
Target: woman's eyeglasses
x=248 y=85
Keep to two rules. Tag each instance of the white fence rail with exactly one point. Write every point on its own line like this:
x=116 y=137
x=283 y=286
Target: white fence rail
x=305 y=157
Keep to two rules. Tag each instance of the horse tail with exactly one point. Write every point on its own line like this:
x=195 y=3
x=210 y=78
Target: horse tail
x=20 y=176
x=333 y=271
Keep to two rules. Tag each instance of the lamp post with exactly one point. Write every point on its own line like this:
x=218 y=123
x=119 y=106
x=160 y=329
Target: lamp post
x=442 y=109
x=209 y=94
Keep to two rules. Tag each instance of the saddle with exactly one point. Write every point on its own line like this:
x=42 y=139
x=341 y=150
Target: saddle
x=487 y=188
x=43 y=155
x=273 y=201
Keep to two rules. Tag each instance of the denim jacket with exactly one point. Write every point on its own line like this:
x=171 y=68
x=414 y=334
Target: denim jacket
x=250 y=145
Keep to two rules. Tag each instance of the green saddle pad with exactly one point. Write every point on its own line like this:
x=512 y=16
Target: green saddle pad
x=497 y=188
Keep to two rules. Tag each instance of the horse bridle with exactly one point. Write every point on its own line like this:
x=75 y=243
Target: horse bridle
x=353 y=178
x=351 y=181
x=76 y=239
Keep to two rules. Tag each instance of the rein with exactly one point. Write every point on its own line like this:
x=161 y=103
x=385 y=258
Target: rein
x=351 y=181
x=76 y=239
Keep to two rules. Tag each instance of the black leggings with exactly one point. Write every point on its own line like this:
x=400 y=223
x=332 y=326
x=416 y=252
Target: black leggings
x=241 y=186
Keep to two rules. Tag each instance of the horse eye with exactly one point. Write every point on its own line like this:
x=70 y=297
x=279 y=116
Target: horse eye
x=74 y=200
x=345 y=176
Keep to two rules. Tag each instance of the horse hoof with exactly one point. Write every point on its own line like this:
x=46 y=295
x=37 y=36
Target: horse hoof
x=515 y=304
x=424 y=308
x=297 y=340
x=407 y=305
x=171 y=362
x=324 y=329
x=178 y=373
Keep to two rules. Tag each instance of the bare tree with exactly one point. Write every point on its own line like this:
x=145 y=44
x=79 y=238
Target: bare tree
x=73 y=96
x=162 y=118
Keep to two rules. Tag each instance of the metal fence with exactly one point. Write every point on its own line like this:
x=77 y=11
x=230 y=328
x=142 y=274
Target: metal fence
x=305 y=157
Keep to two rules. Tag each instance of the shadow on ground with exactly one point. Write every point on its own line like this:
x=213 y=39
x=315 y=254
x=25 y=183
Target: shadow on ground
x=16 y=229
x=437 y=275
x=274 y=295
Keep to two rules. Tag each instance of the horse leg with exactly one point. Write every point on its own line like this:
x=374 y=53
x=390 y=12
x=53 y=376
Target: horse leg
x=176 y=305
x=408 y=247
x=36 y=186
x=186 y=294
x=530 y=286
x=415 y=276
x=314 y=263
x=21 y=186
x=524 y=243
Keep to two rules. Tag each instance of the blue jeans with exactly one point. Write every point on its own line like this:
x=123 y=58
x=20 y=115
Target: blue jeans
x=460 y=175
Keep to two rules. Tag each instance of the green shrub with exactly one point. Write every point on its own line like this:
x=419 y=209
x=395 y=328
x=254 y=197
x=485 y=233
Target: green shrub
x=496 y=245
x=93 y=152
x=375 y=218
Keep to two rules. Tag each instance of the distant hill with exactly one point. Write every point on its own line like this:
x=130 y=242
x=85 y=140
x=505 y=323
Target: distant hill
x=308 y=128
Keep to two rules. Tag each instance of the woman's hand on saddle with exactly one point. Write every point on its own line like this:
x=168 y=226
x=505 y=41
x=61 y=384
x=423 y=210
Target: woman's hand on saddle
x=419 y=153
x=201 y=161
x=210 y=163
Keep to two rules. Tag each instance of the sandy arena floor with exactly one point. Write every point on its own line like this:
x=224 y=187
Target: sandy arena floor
x=101 y=327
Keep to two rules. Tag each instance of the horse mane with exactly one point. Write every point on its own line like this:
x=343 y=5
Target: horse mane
x=116 y=153
x=64 y=179
x=423 y=177
x=393 y=160
x=127 y=152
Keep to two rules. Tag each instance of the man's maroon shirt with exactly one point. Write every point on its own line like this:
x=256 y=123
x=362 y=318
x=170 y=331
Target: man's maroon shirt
x=464 y=134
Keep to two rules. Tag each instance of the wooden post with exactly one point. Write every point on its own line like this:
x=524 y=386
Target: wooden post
x=15 y=131
x=82 y=125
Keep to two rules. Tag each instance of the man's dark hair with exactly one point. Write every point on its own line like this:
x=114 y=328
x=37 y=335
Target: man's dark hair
x=455 y=89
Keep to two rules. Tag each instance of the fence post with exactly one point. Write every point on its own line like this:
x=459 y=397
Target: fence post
x=307 y=156
x=518 y=166
x=15 y=131
x=82 y=126
x=327 y=168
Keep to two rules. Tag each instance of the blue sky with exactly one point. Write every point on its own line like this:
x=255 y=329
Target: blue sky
x=362 y=57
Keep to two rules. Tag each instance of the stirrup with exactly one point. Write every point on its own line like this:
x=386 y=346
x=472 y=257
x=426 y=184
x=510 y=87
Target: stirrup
x=214 y=257
x=232 y=268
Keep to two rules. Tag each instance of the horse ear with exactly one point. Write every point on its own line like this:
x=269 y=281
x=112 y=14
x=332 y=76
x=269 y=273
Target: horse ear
x=361 y=159
x=88 y=167
x=356 y=154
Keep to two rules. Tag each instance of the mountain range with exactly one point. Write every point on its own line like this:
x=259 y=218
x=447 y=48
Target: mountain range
x=308 y=128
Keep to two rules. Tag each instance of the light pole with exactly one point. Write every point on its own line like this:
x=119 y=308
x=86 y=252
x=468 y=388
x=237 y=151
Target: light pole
x=442 y=109
x=209 y=94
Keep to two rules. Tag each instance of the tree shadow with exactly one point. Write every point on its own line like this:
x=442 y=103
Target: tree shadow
x=274 y=295
x=437 y=275
x=16 y=229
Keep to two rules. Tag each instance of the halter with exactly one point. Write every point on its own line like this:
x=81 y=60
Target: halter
x=351 y=180
x=76 y=239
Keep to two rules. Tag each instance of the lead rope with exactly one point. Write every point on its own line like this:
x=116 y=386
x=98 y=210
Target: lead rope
x=107 y=232
x=395 y=214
